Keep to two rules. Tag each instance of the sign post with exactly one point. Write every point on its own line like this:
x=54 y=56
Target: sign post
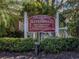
x=25 y=24
x=57 y=25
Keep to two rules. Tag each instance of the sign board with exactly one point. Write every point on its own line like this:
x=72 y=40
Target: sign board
x=41 y=23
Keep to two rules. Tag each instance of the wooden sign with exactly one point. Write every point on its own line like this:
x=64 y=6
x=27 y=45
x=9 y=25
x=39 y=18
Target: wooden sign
x=41 y=23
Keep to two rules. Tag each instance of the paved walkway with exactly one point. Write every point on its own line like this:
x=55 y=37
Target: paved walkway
x=30 y=55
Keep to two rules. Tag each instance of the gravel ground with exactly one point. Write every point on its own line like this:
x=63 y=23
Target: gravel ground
x=30 y=55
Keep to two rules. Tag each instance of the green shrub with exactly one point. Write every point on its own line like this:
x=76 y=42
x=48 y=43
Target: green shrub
x=15 y=34
x=48 y=45
x=16 y=44
x=60 y=44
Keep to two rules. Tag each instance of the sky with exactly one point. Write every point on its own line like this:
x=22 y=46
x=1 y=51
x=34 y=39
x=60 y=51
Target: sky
x=58 y=1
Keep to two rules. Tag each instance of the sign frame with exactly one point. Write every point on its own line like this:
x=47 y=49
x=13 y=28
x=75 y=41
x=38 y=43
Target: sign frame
x=41 y=23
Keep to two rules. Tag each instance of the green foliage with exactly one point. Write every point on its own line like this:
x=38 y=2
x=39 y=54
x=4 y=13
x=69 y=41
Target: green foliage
x=9 y=15
x=62 y=20
x=72 y=15
x=60 y=44
x=73 y=23
x=48 y=45
x=37 y=8
x=16 y=34
x=2 y=30
x=16 y=44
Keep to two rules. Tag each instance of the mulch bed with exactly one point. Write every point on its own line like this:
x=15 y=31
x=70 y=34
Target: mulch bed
x=42 y=55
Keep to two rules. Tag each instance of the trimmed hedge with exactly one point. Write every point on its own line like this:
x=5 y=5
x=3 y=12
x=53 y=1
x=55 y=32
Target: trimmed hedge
x=50 y=45
x=16 y=44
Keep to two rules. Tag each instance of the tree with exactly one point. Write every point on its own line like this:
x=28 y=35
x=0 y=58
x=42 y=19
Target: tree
x=9 y=15
x=72 y=15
